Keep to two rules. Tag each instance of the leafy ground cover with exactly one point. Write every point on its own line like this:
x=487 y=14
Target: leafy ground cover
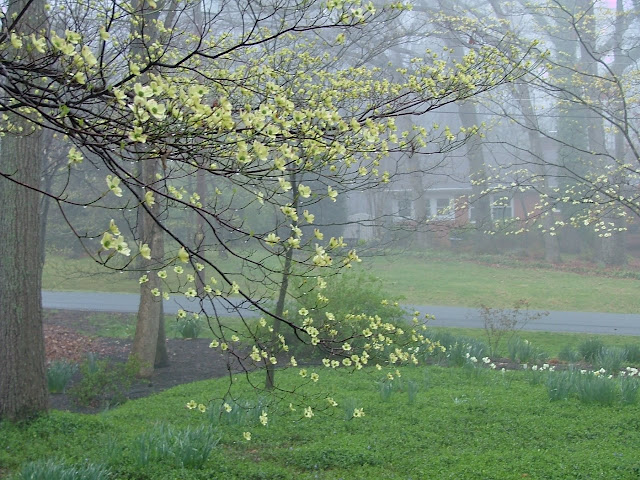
x=457 y=424
x=471 y=422
x=435 y=279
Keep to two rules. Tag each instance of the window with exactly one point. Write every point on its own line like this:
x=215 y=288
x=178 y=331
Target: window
x=501 y=207
x=404 y=206
x=444 y=208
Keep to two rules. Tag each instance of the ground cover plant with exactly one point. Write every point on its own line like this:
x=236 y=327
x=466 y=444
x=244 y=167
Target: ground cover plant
x=437 y=422
x=432 y=279
x=416 y=421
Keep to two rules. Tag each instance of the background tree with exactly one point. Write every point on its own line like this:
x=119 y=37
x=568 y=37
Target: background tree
x=575 y=115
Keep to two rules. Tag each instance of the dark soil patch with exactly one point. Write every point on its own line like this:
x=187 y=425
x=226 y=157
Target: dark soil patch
x=190 y=360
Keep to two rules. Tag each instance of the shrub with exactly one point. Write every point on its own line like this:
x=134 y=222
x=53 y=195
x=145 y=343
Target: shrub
x=502 y=322
x=590 y=349
x=103 y=383
x=349 y=295
x=59 y=374
x=53 y=470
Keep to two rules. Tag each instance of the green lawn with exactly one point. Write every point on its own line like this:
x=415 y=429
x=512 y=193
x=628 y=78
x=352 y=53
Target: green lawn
x=428 y=281
x=424 y=280
x=461 y=424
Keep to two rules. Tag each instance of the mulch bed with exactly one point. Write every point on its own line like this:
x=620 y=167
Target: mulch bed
x=190 y=360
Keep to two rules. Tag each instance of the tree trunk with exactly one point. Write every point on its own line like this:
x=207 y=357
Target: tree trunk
x=149 y=343
x=551 y=244
x=23 y=386
x=481 y=212
x=201 y=190
x=269 y=382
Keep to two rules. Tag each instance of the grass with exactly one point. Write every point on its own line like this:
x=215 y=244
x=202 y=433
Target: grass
x=84 y=274
x=489 y=426
x=425 y=279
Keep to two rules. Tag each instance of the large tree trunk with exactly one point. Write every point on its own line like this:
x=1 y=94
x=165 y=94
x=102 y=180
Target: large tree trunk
x=23 y=386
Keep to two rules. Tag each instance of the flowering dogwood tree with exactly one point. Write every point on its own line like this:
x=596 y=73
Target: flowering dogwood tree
x=257 y=102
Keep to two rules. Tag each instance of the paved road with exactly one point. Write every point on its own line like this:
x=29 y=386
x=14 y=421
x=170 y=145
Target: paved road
x=590 y=322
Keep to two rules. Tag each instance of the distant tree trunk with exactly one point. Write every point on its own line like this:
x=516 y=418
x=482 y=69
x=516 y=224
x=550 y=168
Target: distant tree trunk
x=481 y=212
x=49 y=167
x=23 y=386
x=551 y=244
x=612 y=249
x=149 y=343
x=201 y=190
x=269 y=382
